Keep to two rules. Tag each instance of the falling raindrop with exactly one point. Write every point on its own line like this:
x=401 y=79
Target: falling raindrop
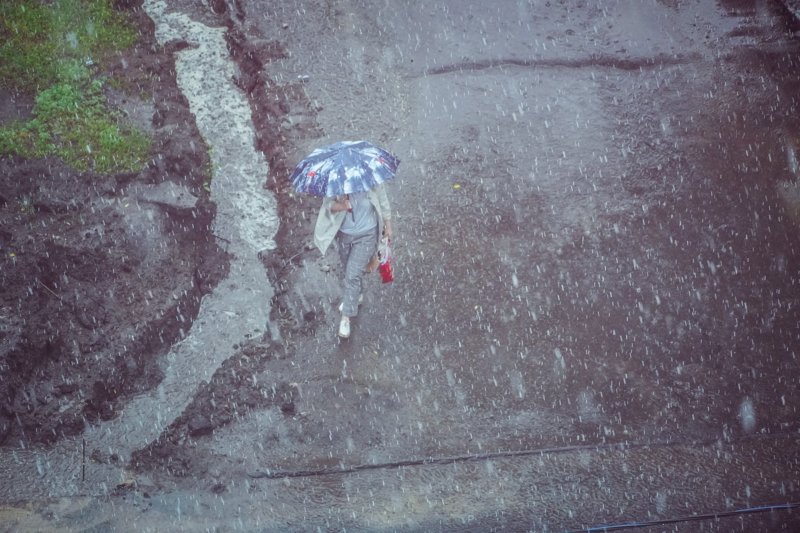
x=791 y=154
x=747 y=415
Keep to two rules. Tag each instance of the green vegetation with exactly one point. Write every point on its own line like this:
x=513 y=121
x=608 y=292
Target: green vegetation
x=51 y=49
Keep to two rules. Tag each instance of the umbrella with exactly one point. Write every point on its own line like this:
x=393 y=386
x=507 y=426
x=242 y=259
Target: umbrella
x=345 y=167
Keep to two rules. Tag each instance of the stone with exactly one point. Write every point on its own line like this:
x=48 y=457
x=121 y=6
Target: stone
x=200 y=425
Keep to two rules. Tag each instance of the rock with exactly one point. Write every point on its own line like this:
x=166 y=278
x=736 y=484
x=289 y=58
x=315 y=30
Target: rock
x=63 y=389
x=284 y=397
x=99 y=406
x=219 y=7
x=200 y=425
x=167 y=194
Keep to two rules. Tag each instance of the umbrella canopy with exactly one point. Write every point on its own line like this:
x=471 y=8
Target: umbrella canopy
x=345 y=167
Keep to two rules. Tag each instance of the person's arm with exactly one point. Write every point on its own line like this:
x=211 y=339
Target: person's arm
x=340 y=203
x=387 y=227
x=386 y=210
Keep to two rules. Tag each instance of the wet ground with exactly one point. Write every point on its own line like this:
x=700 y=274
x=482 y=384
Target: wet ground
x=595 y=314
x=107 y=269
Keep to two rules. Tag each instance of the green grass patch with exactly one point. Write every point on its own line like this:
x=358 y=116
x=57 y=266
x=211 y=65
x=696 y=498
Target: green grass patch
x=52 y=49
x=42 y=43
x=72 y=122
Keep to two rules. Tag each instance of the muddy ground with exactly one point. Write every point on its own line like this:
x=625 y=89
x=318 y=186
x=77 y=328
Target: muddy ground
x=595 y=318
x=101 y=274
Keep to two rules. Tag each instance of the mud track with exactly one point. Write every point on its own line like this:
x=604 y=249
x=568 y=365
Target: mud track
x=231 y=393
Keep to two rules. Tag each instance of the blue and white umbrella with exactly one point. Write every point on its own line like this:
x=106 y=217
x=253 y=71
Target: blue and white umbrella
x=345 y=167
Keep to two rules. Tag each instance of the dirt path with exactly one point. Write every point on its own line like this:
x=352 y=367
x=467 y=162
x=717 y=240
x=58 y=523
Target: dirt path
x=594 y=316
x=575 y=255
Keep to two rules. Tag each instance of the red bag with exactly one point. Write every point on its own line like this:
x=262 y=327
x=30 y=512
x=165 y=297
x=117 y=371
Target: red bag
x=385 y=255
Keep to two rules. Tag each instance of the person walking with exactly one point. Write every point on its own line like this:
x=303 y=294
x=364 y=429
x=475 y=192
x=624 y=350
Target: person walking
x=355 y=223
x=355 y=211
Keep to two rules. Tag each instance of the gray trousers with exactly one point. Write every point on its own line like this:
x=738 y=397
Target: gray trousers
x=355 y=251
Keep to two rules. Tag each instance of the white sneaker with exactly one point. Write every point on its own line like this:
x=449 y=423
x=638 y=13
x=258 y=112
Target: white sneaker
x=344 y=328
x=360 y=300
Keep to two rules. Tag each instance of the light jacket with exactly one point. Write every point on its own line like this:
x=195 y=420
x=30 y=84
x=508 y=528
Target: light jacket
x=328 y=223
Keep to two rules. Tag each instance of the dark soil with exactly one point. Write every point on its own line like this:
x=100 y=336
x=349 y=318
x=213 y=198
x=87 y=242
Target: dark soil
x=232 y=393
x=98 y=282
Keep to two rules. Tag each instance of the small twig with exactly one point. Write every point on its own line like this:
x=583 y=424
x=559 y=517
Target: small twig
x=295 y=256
x=48 y=289
x=288 y=262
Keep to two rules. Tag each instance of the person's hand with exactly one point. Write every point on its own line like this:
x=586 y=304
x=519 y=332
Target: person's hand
x=341 y=204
